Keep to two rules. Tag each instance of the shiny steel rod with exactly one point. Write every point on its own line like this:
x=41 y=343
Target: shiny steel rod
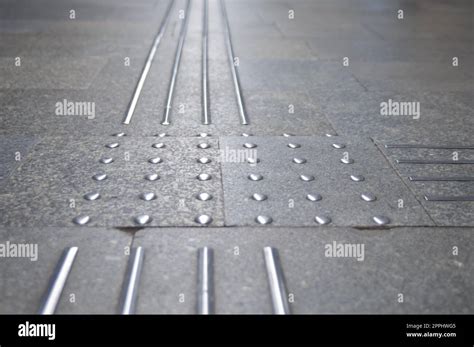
x=235 y=75
x=428 y=146
x=57 y=281
x=177 y=60
x=205 y=299
x=132 y=279
x=206 y=117
x=449 y=198
x=147 y=66
x=435 y=162
x=276 y=280
x=441 y=179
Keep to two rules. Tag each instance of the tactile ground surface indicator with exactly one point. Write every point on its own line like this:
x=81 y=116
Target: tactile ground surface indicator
x=300 y=178
x=52 y=188
x=444 y=180
x=317 y=164
x=290 y=180
x=319 y=284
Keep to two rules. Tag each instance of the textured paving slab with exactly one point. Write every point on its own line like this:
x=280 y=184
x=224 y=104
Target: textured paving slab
x=396 y=261
x=101 y=46
x=286 y=192
x=284 y=63
x=456 y=213
x=318 y=283
x=48 y=189
x=110 y=88
x=94 y=281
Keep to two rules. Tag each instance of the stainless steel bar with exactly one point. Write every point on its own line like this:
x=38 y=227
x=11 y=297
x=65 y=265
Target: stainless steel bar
x=147 y=66
x=429 y=146
x=449 y=198
x=132 y=279
x=57 y=281
x=443 y=179
x=441 y=162
x=276 y=281
x=205 y=97
x=235 y=75
x=205 y=300
x=177 y=60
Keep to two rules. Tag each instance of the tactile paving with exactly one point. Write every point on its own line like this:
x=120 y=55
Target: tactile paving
x=93 y=284
x=304 y=181
x=439 y=180
x=62 y=181
x=416 y=262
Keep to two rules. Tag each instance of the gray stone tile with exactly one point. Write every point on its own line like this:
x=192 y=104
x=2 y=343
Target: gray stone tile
x=95 y=279
x=453 y=25
x=60 y=170
x=271 y=48
x=286 y=75
x=406 y=50
x=14 y=150
x=240 y=288
x=341 y=197
x=454 y=213
x=261 y=107
x=33 y=112
x=282 y=62
x=392 y=264
x=89 y=9
x=323 y=27
x=54 y=44
x=51 y=73
x=90 y=17
x=407 y=76
x=360 y=113
x=275 y=113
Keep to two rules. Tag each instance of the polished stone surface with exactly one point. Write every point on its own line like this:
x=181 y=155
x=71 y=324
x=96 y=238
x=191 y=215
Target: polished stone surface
x=307 y=69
